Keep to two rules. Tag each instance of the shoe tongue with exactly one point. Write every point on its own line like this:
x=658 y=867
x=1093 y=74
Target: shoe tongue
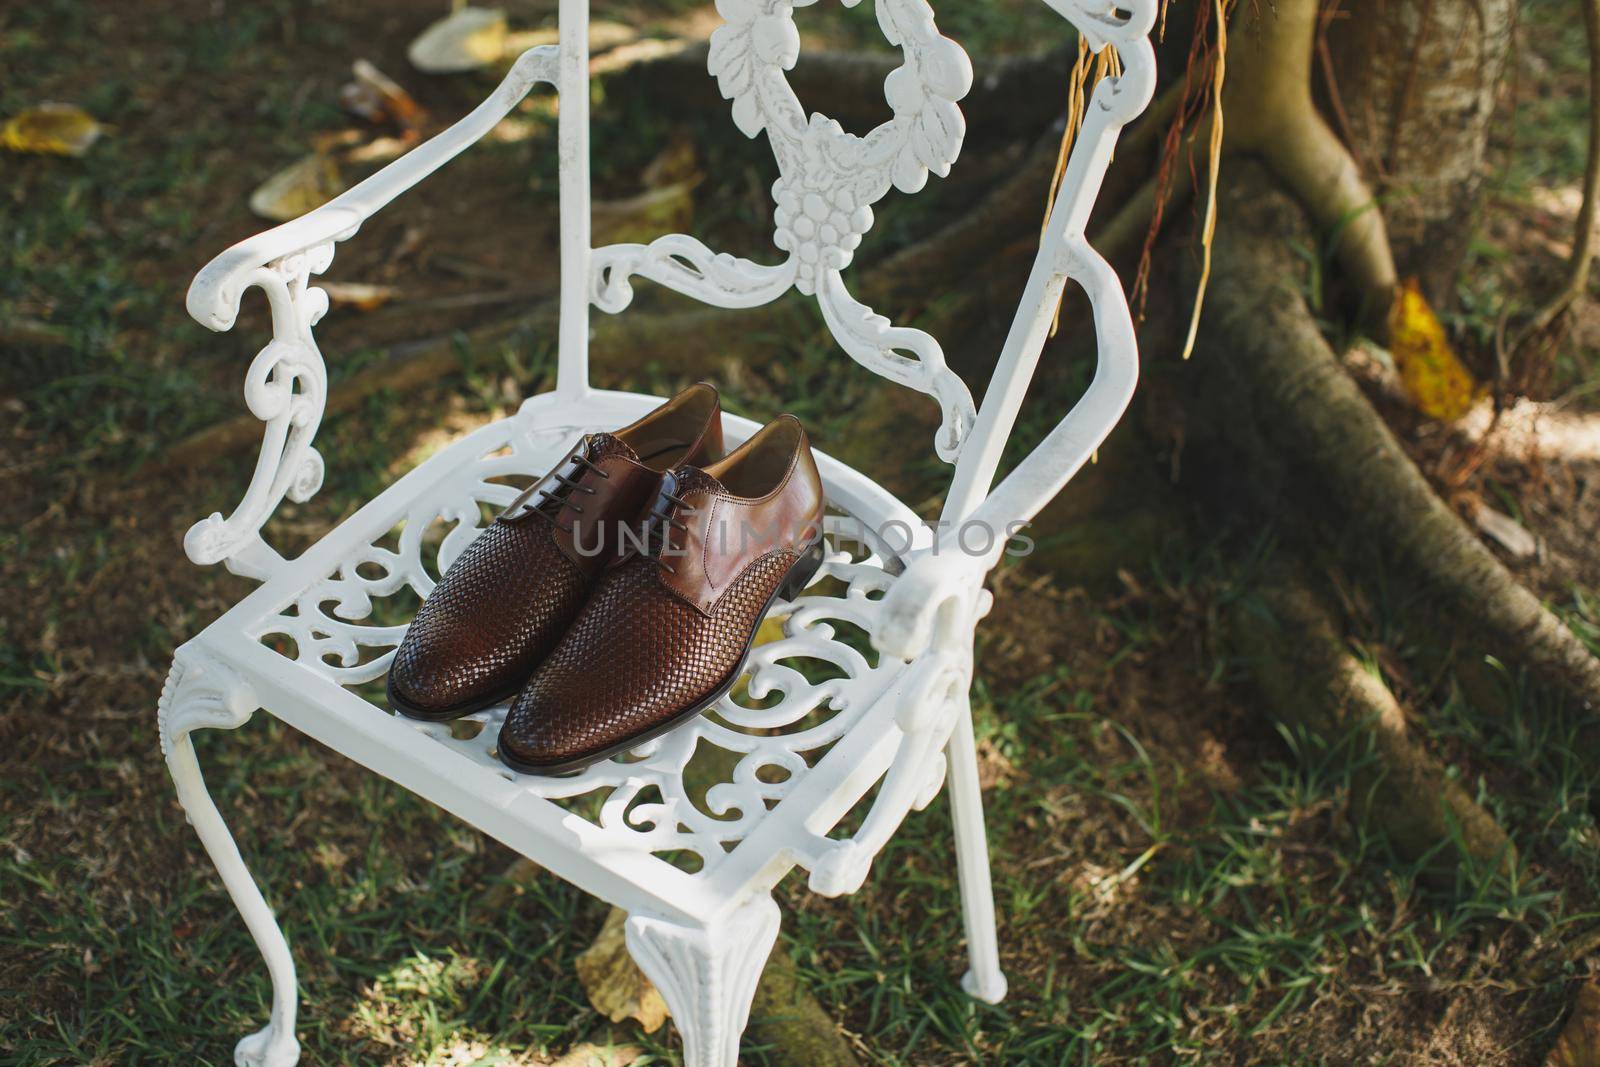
x=604 y=445
x=679 y=482
x=597 y=448
x=689 y=479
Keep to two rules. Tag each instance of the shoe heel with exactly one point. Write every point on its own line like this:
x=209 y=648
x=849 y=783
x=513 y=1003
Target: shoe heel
x=801 y=573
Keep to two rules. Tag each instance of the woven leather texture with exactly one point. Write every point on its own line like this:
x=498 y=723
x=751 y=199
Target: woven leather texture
x=498 y=610
x=636 y=657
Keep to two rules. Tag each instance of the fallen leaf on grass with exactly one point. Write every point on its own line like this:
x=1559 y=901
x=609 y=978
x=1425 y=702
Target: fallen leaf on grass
x=298 y=188
x=470 y=38
x=615 y=985
x=359 y=295
x=1435 y=379
x=51 y=129
x=1503 y=529
x=376 y=97
x=589 y=1054
x=1579 y=1043
x=603 y=35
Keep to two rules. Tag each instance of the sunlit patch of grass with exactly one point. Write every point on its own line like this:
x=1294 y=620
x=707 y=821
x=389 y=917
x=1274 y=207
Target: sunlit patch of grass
x=398 y=962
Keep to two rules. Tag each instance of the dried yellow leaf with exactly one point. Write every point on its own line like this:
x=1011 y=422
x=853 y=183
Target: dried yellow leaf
x=359 y=295
x=379 y=99
x=298 y=188
x=51 y=129
x=589 y=1054
x=1438 y=383
x=1579 y=1043
x=469 y=38
x=616 y=987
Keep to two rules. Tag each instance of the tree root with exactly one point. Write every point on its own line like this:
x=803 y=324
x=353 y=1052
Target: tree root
x=1311 y=679
x=1288 y=417
x=1270 y=113
x=1414 y=85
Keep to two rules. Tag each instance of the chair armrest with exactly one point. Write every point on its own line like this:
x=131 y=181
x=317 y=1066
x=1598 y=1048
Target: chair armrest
x=941 y=578
x=938 y=592
x=287 y=383
x=214 y=295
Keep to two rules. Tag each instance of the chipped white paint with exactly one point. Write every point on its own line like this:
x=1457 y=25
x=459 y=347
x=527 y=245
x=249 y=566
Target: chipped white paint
x=866 y=687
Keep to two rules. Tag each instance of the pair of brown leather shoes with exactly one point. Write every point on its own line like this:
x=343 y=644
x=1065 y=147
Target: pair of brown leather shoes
x=618 y=595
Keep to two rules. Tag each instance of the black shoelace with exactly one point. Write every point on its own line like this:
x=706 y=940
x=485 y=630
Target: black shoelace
x=660 y=523
x=551 y=499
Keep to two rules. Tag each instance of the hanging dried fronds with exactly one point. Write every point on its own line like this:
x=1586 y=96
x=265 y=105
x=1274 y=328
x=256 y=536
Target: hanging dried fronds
x=1086 y=74
x=1202 y=93
x=1201 y=100
x=1208 y=228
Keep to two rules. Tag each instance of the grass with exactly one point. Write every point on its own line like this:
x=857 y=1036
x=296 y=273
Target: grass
x=1178 y=879
x=1538 y=151
x=1149 y=909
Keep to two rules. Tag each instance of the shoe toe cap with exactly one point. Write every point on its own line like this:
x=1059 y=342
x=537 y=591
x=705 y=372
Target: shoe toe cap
x=436 y=681
x=533 y=736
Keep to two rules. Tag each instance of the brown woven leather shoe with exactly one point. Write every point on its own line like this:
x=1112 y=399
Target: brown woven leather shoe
x=507 y=599
x=667 y=629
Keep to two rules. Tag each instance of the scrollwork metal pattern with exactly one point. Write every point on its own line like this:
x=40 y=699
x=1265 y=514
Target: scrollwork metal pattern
x=680 y=262
x=286 y=387
x=773 y=730
x=201 y=692
x=828 y=181
x=877 y=344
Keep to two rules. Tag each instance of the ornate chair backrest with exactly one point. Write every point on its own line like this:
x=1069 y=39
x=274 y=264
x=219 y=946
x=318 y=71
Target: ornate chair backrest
x=828 y=181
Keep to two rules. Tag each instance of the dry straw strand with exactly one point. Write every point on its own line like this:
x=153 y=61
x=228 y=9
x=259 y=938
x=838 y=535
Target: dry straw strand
x=1214 y=165
x=1086 y=73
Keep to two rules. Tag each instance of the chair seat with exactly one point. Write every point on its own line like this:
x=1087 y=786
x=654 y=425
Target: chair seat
x=695 y=818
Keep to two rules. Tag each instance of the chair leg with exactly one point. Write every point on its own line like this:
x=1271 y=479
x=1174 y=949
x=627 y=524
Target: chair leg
x=984 y=979
x=203 y=693
x=707 y=974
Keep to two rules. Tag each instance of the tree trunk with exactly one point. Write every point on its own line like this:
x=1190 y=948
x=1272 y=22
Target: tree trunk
x=1287 y=430
x=1416 y=86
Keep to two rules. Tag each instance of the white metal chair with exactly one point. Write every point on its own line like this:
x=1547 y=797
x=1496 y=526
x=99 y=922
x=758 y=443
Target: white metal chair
x=694 y=878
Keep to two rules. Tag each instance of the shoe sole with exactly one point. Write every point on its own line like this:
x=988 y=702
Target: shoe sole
x=795 y=581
